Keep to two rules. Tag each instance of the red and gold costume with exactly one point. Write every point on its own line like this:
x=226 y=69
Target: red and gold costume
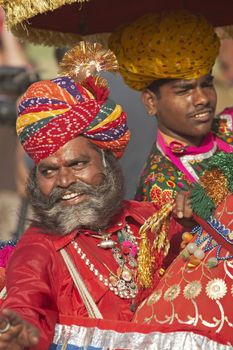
x=74 y=291
x=193 y=300
x=194 y=297
x=40 y=287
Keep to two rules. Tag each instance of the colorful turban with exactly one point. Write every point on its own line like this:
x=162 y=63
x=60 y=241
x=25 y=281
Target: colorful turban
x=177 y=45
x=53 y=112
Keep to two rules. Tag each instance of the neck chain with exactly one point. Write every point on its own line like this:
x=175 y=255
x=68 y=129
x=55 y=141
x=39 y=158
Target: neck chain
x=106 y=241
x=123 y=282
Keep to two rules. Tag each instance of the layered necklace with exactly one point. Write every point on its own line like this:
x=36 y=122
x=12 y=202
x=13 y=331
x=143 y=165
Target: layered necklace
x=123 y=282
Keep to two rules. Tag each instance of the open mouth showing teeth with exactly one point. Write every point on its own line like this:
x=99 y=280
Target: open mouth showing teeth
x=202 y=115
x=71 y=196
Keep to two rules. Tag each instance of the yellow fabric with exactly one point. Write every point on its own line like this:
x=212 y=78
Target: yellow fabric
x=113 y=116
x=29 y=118
x=177 y=45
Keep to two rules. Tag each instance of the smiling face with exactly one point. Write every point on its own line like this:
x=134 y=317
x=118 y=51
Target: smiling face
x=184 y=108
x=74 y=188
x=77 y=161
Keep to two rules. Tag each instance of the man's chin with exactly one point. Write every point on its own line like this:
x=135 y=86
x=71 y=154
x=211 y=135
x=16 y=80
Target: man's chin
x=72 y=217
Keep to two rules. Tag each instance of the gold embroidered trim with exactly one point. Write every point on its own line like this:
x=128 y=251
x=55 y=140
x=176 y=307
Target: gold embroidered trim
x=192 y=290
x=216 y=289
x=172 y=292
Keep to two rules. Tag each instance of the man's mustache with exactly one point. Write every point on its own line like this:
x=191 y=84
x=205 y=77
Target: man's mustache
x=78 y=187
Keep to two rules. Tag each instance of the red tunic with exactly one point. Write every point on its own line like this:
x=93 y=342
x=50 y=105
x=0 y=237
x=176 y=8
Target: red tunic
x=40 y=287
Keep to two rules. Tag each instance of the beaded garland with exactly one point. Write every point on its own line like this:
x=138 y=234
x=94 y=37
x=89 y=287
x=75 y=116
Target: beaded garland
x=221 y=229
x=213 y=195
x=194 y=251
x=123 y=282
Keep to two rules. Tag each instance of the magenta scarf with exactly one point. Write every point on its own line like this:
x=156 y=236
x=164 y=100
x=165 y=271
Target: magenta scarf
x=175 y=150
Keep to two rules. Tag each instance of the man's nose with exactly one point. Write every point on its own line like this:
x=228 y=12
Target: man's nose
x=200 y=97
x=65 y=177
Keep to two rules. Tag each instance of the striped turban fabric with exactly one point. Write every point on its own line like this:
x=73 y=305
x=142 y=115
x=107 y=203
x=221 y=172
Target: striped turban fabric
x=53 y=112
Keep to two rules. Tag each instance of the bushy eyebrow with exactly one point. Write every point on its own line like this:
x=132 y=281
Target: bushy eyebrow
x=188 y=84
x=71 y=162
x=43 y=167
x=183 y=84
x=81 y=158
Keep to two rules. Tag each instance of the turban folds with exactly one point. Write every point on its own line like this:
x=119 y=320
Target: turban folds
x=53 y=112
x=175 y=45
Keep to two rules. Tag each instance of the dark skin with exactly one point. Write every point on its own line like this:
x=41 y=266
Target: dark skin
x=184 y=108
x=75 y=161
x=20 y=335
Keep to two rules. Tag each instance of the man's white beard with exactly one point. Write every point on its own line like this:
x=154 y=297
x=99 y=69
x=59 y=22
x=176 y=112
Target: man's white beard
x=89 y=214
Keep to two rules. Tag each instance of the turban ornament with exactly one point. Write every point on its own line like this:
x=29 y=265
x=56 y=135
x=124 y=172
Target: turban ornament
x=173 y=45
x=53 y=112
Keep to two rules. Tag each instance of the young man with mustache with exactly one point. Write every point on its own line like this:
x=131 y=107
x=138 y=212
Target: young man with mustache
x=169 y=58
x=74 y=273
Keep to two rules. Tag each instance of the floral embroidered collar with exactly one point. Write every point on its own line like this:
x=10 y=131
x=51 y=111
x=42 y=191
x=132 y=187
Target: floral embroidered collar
x=169 y=144
x=181 y=154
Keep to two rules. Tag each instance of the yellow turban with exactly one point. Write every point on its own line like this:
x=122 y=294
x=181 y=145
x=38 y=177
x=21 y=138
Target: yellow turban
x=177 y=45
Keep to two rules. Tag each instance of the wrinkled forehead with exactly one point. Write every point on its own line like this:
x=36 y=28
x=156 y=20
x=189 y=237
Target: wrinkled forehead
x=78 y=149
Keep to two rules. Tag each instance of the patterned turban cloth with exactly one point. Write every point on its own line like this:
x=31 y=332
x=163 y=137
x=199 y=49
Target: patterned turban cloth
x=175 y=45
x=53 y=112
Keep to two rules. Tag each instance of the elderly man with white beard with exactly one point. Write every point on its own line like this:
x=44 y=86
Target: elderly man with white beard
x=72 y=281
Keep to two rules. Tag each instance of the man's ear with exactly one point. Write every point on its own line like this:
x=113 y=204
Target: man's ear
x=149 y=100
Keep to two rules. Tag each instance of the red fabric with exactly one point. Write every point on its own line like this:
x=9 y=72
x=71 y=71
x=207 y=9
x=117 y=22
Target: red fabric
x=47 y=140
x=40 y=287
x=200 y=314
x=70 y=19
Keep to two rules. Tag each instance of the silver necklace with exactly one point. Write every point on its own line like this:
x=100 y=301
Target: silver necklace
x=123 y=282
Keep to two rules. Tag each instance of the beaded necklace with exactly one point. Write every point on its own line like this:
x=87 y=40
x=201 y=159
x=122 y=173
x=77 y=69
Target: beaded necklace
x=195 y=254
x=123 y=282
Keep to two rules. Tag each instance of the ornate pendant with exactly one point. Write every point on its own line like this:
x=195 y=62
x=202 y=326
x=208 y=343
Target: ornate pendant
x=126 y=275
x=106 y=243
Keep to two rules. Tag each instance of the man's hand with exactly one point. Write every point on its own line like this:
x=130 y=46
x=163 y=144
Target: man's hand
x=15 y=333
x=183 y=211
